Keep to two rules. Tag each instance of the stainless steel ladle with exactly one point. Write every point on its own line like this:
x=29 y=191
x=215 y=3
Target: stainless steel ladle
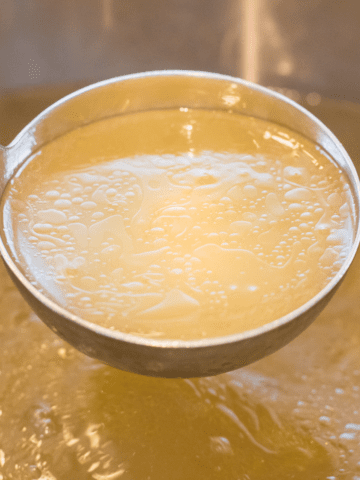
x=162 y=90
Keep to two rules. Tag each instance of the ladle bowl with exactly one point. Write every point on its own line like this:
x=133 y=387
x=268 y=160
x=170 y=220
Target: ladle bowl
x=165 y=90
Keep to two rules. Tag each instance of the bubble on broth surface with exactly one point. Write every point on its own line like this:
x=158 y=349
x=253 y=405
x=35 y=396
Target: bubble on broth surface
x=261 y=219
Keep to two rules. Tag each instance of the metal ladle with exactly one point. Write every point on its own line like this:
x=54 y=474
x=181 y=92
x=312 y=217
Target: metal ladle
x=163 y=90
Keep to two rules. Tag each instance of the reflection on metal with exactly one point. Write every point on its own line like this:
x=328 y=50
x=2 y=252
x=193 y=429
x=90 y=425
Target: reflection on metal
x=107 y=14
x=313 y=99
x=249 y=53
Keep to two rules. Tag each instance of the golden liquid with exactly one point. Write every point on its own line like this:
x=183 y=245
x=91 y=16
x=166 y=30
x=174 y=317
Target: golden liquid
x=293 y=415
x=180 y=223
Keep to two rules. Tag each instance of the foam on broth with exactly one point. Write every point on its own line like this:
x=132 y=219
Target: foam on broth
x=292 y=415
x=180 y=223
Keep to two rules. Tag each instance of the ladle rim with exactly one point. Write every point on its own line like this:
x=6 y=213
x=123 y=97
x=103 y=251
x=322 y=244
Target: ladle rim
x=205 y=342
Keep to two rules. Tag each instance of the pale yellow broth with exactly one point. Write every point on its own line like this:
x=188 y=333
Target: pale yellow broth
x=294 y=415
x=180 y=224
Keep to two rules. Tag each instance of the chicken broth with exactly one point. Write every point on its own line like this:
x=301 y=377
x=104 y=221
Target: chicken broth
x=293 y=415
x=180 y=223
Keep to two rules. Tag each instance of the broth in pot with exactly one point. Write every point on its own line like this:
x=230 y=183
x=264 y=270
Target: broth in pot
x=292 y=415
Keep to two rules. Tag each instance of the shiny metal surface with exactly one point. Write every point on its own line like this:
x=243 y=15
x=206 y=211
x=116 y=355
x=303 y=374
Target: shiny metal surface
x=144 y=92
x=307 y=46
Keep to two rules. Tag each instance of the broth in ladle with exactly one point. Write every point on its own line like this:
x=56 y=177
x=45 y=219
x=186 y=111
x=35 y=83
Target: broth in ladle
x=180 y=224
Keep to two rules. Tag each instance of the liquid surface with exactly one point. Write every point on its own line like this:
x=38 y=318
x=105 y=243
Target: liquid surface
x=208 y=224
x=294 y=415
